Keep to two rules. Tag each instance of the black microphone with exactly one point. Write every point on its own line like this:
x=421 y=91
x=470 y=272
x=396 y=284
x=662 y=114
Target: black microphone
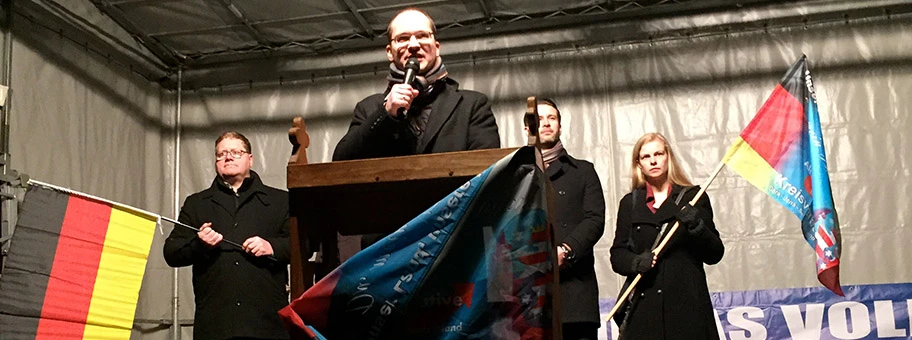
x=411 y=71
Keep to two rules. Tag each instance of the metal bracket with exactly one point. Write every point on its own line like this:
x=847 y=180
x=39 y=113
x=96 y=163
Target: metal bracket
x=14 y=178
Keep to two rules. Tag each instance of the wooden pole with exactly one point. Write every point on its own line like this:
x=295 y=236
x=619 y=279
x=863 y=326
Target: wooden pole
x=302 y=270
x=530 y=120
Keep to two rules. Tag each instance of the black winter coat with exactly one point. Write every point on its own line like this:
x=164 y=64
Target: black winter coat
x=236 y=294
x=672 y=299
x=579 y=220
x=460 y=120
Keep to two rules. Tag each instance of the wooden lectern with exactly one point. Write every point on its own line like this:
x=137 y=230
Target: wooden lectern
x=364 y=196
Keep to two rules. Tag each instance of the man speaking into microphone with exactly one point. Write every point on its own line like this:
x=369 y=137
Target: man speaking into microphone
x=420 y=114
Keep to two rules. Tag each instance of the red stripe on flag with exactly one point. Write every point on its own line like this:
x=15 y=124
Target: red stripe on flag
x=543 y=280
x=822 y=234
x=823 y=241
x=534 y=258
x=777 y=125
x=540 y=236
x=312 y=306
x=75 y=267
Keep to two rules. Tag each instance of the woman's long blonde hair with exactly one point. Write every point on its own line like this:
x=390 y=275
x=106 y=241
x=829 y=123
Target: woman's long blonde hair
x=676 y=175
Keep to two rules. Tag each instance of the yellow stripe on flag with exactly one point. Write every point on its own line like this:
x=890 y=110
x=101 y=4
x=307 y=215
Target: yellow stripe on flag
x=120 y=275
x=742 y=158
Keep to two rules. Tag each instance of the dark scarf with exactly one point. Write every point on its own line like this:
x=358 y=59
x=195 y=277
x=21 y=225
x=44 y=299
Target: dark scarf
x=426 y=81
x=420 y=110
x=550 y=155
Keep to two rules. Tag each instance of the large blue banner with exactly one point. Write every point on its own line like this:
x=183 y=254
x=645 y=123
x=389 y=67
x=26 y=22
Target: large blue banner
x=866 y=312
x=476 y=265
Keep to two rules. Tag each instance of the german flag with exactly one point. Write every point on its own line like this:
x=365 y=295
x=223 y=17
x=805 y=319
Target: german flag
x=75 y=267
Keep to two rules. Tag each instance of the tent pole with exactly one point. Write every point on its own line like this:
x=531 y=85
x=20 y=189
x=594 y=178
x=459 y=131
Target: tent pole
x=175 y=320
x=8 y=205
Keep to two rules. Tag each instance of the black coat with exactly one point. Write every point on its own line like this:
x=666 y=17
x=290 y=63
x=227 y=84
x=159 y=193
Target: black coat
x=460 y=120
x=237 y=295
x=579 y=220
x=672 y=299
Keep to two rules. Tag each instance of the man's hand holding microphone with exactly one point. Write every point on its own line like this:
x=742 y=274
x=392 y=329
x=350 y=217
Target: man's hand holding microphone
x=401 y=95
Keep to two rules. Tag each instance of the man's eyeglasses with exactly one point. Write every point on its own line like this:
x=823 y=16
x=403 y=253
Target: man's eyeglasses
x=422 y=37
x=236 y=154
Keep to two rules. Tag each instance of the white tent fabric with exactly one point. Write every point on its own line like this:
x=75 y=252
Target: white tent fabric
x=82 y=123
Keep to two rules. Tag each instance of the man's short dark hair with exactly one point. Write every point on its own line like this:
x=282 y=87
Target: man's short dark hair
x=235 y=135
x=550 y=102
x=389 y=31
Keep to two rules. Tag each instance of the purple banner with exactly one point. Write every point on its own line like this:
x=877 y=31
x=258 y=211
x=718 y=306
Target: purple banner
x=866 y=312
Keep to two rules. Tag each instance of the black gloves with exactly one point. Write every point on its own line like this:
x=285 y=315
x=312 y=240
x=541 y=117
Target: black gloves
x=689 y=219
x=643 y=263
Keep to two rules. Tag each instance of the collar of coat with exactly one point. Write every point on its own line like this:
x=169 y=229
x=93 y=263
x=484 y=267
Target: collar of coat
x=222 y=194
x=562 y=164
x=665 y=213
x=444 y=102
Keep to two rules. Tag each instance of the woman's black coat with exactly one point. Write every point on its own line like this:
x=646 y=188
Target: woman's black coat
x=672 y=300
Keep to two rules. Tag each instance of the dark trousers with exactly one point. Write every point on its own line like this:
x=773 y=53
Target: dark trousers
x=580 y=330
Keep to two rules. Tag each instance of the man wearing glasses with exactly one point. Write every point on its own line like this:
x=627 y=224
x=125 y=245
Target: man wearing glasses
x=238 y=292
x=430 y=115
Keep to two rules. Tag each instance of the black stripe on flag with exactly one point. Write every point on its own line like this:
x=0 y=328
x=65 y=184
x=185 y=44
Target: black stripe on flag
x=31 y=256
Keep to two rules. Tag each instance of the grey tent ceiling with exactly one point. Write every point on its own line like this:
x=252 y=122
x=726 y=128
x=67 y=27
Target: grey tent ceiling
x=212 y=31
x=213 y=41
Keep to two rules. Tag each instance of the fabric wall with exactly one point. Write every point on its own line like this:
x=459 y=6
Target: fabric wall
x=78 y=121
x=698 y=91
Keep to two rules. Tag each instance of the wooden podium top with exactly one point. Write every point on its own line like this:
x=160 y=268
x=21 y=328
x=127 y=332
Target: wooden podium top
x=394 y=169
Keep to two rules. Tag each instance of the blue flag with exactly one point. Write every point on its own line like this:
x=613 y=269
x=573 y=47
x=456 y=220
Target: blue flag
x=477 y=264
x=781 y=153
x=821 y=224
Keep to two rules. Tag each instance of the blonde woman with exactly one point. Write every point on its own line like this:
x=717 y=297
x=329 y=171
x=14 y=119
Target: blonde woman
x=672 y=299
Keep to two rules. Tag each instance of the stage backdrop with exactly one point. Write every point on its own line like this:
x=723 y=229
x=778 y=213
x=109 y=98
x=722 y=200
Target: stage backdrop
x=80 y=121
x=699 y=92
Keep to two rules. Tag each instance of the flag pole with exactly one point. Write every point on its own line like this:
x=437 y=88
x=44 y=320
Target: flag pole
x=92 y=197
x=235 y=244
x=531 y=122
x=665 y=240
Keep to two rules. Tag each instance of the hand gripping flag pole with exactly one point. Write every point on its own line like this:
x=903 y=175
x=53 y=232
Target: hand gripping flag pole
x=229 y=242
